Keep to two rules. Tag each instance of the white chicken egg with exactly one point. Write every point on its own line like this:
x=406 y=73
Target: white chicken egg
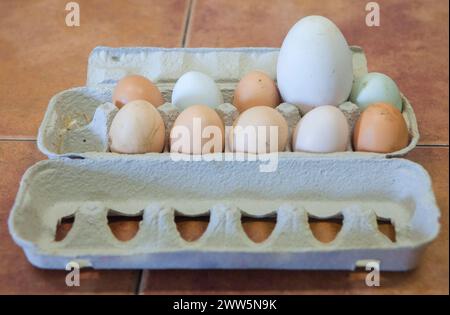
x=194 y=88
x=322 y=130
x=314 y=64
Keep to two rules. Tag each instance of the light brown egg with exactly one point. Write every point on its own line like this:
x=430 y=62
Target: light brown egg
x=197 y=130
x=256 y=89
x=257 y=121
x=136 y=87
x=381 y=128
x=137 y=128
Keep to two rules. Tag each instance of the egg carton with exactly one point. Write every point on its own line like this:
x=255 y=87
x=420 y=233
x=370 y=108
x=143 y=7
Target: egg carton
x=77 y=120
x=357 y=189
x=88 y=183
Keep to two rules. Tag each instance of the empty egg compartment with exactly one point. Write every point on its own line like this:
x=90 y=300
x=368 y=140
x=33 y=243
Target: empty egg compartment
x=155 y=189
x=78 y=120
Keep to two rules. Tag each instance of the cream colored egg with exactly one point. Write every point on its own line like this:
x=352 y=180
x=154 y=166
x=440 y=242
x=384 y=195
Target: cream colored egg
x=259 y=129
x=197 y=130
x=322 y=130
x=137 y=128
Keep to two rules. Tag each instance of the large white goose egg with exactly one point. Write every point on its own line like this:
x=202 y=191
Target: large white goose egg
x=315 y=64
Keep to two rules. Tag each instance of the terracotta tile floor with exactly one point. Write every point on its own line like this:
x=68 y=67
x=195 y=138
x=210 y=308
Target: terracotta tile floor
x=40 y=56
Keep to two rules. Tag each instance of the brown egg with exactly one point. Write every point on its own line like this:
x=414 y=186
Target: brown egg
x=256 y=89
x=197 y=130
x=136 y=87
x=137 y=128
x=380 y=128
x=257 y=121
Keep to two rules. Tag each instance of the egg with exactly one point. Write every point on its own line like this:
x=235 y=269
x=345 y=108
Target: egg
x=137 y=128
x=380 y=128
x=256 y=89
x=375 y=87
x=314 y=65
x=322 y=130
x=194 y=88
x=136 y=87
x=259 y=129
x=197 y=130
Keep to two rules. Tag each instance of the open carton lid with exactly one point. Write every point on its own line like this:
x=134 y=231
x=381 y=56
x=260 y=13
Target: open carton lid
x=356 y=189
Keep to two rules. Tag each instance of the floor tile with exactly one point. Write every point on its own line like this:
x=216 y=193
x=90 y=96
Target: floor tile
x=411 y=44
x=430 y=277
x=40 y=55
x=17 y=275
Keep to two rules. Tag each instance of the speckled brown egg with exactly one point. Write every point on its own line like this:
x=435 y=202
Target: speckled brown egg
x=381 y=128
x=251 y=132
x=136 y=87
x=197 y=130
x=256 y=89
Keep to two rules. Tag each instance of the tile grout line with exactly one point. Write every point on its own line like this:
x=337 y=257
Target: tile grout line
x=137 y=289
x=186 y=23
x=438 y=145
x=18 y=139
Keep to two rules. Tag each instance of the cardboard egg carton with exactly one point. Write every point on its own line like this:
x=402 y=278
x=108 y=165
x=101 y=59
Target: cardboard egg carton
x=357 y=189
x=77 y=121
x=87 y=182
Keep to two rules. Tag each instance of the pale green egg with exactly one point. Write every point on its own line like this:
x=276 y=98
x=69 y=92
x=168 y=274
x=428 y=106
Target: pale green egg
x=375 y=87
